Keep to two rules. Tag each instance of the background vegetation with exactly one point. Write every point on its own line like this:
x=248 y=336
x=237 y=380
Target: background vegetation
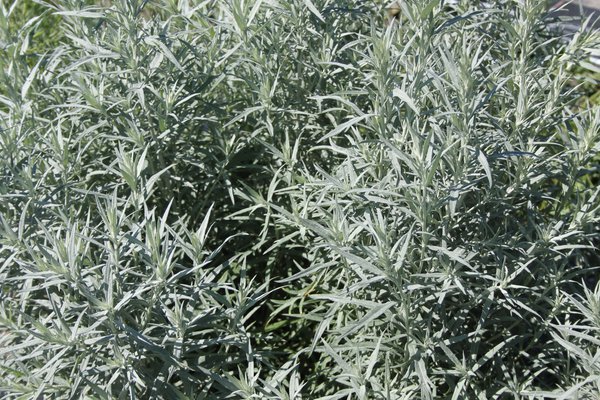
x=296 y=199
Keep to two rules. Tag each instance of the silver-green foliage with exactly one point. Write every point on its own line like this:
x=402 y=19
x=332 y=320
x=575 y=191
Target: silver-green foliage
x=297 y=199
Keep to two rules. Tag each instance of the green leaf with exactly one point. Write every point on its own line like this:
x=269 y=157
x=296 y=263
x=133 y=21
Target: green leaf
x=313 y=9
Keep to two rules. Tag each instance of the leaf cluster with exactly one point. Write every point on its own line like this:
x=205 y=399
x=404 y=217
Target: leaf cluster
x=292 y=199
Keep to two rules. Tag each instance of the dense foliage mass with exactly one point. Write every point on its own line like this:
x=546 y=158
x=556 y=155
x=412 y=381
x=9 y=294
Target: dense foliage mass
x=291 y=199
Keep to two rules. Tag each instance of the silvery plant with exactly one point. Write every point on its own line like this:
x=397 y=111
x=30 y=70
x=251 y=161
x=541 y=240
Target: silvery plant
x=296 y=199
